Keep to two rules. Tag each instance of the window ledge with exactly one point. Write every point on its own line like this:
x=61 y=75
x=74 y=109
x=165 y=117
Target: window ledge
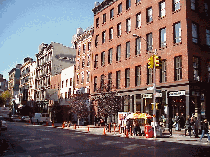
x=110 y=40
x=162 y=48
x=149 y=22
x=138 y=3
x=103 y=23
x=176 y=11
x=128 y=32
x=176 y=44
x=118 y=61
x=138 y=55
x=128 y=58
x=119 y=36
x=128 y=9
x=138 y=28
x=112 y=18
x=119 y=14
x=159 y=17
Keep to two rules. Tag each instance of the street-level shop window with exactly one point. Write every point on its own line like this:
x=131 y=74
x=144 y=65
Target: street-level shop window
x=163 y=72
x=178 y=68
x=162 y=37
x=149 y=14
x=149 y=42
x=177 y=32
x=162 y=9
x=127 y=53
x=110 y=56
x=138 y=46
x=196 y=68
x=176 y=5
x=137 y=75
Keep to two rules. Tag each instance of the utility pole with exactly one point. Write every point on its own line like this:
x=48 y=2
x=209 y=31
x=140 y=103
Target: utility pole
x=154 y=92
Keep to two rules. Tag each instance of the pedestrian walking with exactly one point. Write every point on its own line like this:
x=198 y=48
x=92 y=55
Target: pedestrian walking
x=135 y=128
x=170 y=125
x=196 y=127
x=192 y=125
x=187 y=126
x=177 y=119
x=182 y=121
x=205 y=130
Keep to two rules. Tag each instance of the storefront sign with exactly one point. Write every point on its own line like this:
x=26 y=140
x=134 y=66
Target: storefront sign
x=147 y=95
x=179 y=93
x=158 y=94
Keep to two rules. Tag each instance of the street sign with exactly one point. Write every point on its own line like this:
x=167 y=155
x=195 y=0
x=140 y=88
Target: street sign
x=147 y=95
x=158 y=94
x=179 y=93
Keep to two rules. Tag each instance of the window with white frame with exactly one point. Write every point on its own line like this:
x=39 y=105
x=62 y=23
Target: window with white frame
x=177 y=32
x=162 y=9
x=112 y=13
x=138 y=46
x=137 y=75
x=127 y=52
x=163 y=74
x=138 y=20
x=194 y=33
x=110 y=33
x=196 y=68
x=110 y=56
x=128 y=25
x=127 y=77
x=149 y=42
x=118 y=79
x=119 y=31
x=178 y=68
x=162 y=37
x=103 y=58
x=118 y=54
x=149 y=14
x=103 y=36
x=120 y=8
x=176 y=5
x=208 y=37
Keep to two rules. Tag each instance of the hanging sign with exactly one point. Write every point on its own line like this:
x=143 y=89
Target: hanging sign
x=179 y=93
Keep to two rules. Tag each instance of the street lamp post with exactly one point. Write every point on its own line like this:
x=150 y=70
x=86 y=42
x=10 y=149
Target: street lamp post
x=154 y=86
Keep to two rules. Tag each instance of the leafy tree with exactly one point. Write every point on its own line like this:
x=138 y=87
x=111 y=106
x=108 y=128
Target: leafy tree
x=4 y=97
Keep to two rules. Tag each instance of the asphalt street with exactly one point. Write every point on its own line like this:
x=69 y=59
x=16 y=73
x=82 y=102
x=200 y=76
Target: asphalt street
x=23 y=140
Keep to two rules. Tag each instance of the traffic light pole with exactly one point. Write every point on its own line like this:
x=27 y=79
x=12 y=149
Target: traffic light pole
x=154 y=93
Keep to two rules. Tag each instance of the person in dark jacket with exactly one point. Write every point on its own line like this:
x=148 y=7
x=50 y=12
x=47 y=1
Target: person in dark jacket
x=187 y=126
x=205 y=130
x=170 y=124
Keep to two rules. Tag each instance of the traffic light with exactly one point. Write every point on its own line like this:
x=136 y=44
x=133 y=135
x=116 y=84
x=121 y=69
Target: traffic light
x=151 y=62
x=156 y=61
x=160 y=63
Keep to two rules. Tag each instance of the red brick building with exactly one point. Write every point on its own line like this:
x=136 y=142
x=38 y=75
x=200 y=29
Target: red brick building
x=180 y=32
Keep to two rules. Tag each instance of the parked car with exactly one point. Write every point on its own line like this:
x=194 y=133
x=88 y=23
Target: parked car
x=25 y=118
x=40 y=118
x=15 y=118
x=3 y=123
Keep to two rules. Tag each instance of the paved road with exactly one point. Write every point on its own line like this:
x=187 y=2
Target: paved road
x=32 y=140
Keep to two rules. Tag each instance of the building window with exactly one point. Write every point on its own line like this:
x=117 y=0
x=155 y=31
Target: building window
x=96 y=40
x=119 y=8
x=58 y=86
x=88 y=76
x=128 y=4
x=118 y=79
x=83 y=77
x=193 y=5
x=178 y=68
x=206 y=7
x=137 y=1
x=104 y=18
x=127 y=77
x=118 y=54
x=162 y=10
x=102 y=81
x=83 y=63
x=194 y=33
x=97 y=22
x=110 y=56
x=65 y=95
x=149 y=42
x=109 y=81
x=89 y=46
x=138 y=20
x=96 y=61
x=163 y=37
x=102 y=58
x=77 y=78
x=62 y=84
x=149 y=15
x=138 y=46
x=112 y=13
x=79 y=49
x=208 y=37
x=95 y=83
x=128 y=25
x=196 y=69
x=66 y=82
x=110 y=33
x=149 y=75
x=70 y=81
x=127 y=53
x=137 y=75
x=84 y=47
x=103 y=36
x=69 y=95
x=208 y=68
x=119 y=32
x=177 y=32
x=88 y=61
x=176 y=5
x=163 y=74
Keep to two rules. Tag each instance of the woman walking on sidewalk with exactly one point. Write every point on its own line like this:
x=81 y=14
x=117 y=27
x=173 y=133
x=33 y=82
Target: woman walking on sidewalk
x=205 y=130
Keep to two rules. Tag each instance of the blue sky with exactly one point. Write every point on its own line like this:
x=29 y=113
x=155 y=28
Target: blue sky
x=25 y=24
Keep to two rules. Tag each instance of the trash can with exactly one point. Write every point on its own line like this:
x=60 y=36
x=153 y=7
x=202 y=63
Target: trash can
x=149 y=131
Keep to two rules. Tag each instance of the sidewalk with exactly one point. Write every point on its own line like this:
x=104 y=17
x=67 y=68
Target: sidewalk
x=177 y=136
